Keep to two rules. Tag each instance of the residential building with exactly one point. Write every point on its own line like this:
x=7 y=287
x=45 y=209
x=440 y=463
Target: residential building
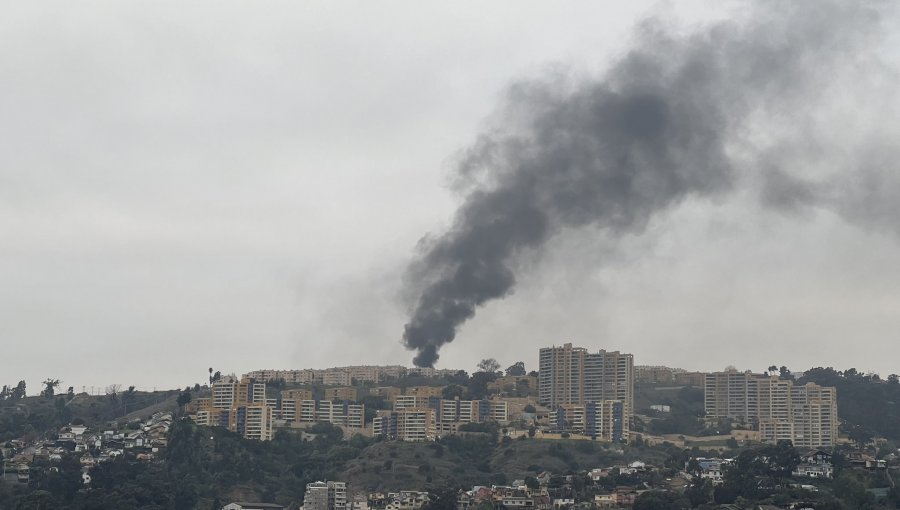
x=325 y=496
x=337 y=413
x=336 y=377
x=695 y=379
x=654 y=374
x=815 y=464
x=389 y=393
x=561 y=379
x=572 y=375
x=805 y=414
x=342 y=393
x=604 y=420
x=473 y=411
x=252 y=421
x=425 y=391
x=411 y=401
x=229 y=392
x=240 y=406
x=408 y=424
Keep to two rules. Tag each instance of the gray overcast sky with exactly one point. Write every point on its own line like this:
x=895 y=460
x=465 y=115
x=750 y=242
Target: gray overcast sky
x=241 y=185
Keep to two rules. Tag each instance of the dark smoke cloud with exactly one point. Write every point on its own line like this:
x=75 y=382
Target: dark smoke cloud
x=664 y=124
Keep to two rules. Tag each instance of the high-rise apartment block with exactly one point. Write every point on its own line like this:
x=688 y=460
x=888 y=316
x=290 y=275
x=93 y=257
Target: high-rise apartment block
x=325 y=496
x=805 y=414
x=573 y=376
x=239 y=406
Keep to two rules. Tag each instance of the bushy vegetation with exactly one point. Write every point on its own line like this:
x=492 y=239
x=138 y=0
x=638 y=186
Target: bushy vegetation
x=202 y=465
x=867 y=404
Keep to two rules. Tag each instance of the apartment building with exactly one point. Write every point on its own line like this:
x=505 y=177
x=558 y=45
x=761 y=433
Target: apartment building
x=609 y=375
x=432 y=372
x=345 y=414
x=572 y=375
x=409 y=424
x=342 y=393
x=732 y=394
x=473 y=411
x=364 y=373
x=239 y=406
x=425 y=391
x=392 y=371
x=389 y=393
x=813 y=421
x=402 y=402
x=336 y=377
x=297 y=394
x=561 y=379
x=252 y=421
x=325 y=496
x=603 y=420
x=654 y=374
x=805 y=414
x=695 y=379
x=305 y=376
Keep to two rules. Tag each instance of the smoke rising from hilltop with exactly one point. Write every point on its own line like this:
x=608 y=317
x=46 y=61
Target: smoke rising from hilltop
x=671 y=120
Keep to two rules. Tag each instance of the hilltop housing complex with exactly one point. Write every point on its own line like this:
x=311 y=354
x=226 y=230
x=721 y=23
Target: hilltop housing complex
x=779 y=408
x=575 y=393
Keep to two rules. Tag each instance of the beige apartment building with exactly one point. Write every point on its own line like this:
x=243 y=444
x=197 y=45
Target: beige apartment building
x=805 y=414
x=389 y=393
x=416 y=418
x=347 y=415
x=343 y=393
x=572 y=375
x=425 y=391
x=409 y=424
x=239 y=406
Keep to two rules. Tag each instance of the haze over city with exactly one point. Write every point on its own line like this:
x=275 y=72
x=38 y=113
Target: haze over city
x=245 y=188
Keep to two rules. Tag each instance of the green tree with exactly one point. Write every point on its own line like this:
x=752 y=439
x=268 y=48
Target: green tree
x=785 y=373
x=183 y=399
x=852 y=491
x=452 y=391
x=489 y=365
x=699 y=491
x=18 y=392
x=517 y=368
x=657 y=500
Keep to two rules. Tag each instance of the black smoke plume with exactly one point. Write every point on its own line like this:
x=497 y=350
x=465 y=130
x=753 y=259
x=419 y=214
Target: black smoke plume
x=662 y=125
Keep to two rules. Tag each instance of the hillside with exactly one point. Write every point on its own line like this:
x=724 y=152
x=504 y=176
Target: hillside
x=458 y=461
x=36 y=415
